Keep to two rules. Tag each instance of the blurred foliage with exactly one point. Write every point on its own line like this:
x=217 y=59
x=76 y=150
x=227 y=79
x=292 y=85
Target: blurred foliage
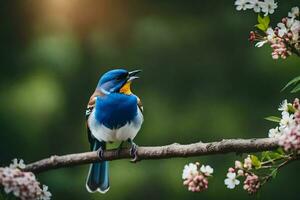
x=201 y=80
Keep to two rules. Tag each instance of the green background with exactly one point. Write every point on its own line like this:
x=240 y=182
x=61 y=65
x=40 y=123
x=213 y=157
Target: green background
x=201 y=80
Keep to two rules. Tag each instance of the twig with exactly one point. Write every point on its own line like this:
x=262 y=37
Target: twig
x=157 y=152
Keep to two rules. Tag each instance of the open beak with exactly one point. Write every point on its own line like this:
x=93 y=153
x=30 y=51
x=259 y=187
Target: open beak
x=132 y=75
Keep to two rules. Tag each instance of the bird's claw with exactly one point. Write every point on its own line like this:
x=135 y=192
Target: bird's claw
x=100 y=153
x=133 y=152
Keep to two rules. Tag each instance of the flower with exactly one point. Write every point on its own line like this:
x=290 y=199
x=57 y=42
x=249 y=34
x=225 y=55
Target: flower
x=198 y=183
x=248 y=162
x=17 y=164
x=268 y=6
x=261 y=43
x=255 y=5
x=238 y=164
x=270 y=34
x=251 y=184
x=231 y=180
x=241 y=4
x=283 y=106
x=240 y=172
x=281 y=29
x=295 y=29
x=46 y=195
x=286 y=120
x=22 y=184
x=231 y=169
x=296 y=103
x=207 y=170
x=274 y=133
x=294 y=12
x=189 y=171
x=290 y=140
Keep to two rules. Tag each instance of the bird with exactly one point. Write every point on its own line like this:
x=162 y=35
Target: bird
x=113 y=114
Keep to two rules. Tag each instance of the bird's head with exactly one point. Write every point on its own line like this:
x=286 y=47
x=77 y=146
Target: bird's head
x=117 y=81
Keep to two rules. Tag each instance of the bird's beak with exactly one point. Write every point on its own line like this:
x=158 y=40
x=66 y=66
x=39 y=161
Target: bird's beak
x=132 y=75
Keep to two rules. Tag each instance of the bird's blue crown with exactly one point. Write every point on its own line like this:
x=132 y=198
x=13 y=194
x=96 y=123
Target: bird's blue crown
x=113 y=80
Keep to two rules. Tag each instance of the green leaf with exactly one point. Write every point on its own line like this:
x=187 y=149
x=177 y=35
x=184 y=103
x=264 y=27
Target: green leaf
x=267 y=21
x=261 y=27
x=266 y=156
x=291 y=82
x=263 y=22
x=259 y=19
x=274 y=173
x=273 y=119
x=296 y=89
x=255 y=161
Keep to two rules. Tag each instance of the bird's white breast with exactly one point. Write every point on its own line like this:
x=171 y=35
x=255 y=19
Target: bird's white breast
x=128 y=131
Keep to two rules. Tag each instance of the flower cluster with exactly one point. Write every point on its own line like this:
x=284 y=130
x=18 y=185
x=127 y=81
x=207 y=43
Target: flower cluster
x=243 y=170
x=251 y=184
x=266 y=6
x=196 y=177
x=22 y=184
x=283 y=39
x=288 y=131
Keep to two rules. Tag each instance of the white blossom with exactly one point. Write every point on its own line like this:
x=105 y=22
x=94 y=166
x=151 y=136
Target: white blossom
x=287 y=120
x=17 y=164
x=207 y=170
x=261 y=43
x=282 y=29
x=255 y=5
x=268 y=6
x=46 y=195
x=283 y=106
x=274 y=133
x=241 y=4
x=270 y=34
x=231 y=180
x=189 y=171
x=294 y=12
x=295 y=28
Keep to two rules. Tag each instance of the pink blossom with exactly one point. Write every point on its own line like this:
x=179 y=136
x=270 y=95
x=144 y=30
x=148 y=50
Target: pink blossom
x=196 y=179
x=198 y=183
x=290 y=141
x=251 y=184
x=296 y=103
x=232 y=170
x=22 y=184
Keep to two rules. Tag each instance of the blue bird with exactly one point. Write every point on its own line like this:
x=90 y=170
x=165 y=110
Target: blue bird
x=113 y=114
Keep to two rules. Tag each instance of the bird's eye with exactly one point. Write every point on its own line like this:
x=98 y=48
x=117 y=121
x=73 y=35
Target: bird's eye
x=119 y=78
x=123 y=76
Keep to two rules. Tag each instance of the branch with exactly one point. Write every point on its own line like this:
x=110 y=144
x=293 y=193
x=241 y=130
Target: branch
x=157 y=152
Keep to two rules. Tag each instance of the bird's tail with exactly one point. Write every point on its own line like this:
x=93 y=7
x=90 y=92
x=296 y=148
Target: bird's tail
x=98 y=179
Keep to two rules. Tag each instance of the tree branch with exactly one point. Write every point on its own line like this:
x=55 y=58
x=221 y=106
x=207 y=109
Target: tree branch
x=157 y=152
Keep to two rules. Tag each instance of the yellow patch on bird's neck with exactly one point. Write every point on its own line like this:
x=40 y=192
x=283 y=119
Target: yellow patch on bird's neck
x=126 y=89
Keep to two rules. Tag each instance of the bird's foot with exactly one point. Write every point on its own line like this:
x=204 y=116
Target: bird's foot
x=100 y=153
x=133 y=151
